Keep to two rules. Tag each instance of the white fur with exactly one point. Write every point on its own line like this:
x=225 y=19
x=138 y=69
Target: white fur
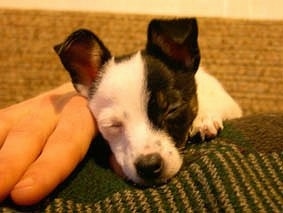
x=120 y=108
x=214 y=106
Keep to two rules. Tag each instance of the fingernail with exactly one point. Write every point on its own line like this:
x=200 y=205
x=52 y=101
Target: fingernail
x=26 y=182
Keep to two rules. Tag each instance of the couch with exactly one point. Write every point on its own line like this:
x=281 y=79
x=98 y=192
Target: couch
x=239 y=171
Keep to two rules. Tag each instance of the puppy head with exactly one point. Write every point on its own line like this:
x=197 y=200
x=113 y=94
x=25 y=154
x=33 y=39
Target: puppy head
x=145 y=102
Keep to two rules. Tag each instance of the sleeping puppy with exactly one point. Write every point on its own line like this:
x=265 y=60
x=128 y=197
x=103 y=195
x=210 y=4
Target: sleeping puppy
x=148 y=104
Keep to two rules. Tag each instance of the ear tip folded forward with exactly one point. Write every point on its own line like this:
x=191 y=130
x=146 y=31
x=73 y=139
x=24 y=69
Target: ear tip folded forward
x=79 y=36
x=82 y=54
x=57 y=48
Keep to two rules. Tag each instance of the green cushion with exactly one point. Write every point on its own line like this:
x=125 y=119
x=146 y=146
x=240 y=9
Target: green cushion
x=241 y=171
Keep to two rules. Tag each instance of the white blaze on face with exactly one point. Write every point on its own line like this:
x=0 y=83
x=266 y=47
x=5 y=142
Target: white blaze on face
x=120 y=108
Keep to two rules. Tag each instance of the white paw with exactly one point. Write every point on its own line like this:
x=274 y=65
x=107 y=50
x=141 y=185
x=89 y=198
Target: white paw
x=206 y=126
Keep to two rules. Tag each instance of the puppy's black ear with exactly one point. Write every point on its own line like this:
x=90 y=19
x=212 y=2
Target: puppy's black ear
x=175 y=43
x=82 y=55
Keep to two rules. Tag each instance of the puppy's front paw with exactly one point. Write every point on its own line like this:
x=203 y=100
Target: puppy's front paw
x=206 y=126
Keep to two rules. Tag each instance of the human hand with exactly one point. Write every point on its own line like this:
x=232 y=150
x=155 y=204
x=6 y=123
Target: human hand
x=41 y=141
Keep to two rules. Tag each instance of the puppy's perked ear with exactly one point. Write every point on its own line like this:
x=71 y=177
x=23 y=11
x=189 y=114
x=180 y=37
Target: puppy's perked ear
x=175 y=42
x=82 y=55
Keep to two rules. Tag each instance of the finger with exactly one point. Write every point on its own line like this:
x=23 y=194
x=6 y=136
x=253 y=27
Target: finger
x=24 y=143
x=5 y=126
x=9 y=116
x=63 y=151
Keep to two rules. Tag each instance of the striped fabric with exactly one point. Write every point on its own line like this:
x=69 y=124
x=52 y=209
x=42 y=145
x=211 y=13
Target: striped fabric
x=223 y=181
x=216 y=183
x=227 y=174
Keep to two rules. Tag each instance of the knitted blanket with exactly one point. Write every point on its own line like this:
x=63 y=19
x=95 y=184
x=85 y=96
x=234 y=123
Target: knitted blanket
x=239 y=171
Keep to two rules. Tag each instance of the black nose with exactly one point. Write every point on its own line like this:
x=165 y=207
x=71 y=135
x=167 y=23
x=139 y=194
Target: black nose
x=149 y=166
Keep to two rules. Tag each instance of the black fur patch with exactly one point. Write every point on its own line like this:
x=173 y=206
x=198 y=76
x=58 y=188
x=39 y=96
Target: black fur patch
x=172 y=104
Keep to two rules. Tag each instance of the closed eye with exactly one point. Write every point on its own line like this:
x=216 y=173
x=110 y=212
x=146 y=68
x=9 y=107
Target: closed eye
x=172 y=109
x=112 y=127
x=116 y=124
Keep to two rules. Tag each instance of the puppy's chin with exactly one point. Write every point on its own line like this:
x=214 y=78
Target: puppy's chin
x=116 y=167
